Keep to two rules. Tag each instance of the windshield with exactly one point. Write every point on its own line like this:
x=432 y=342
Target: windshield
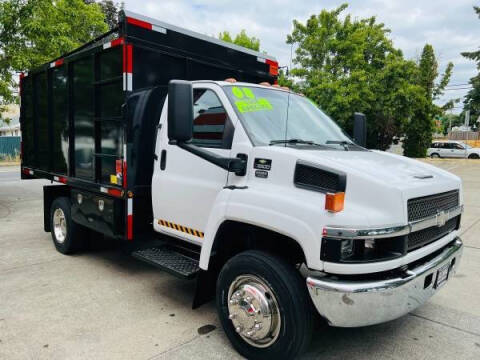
x=263 y=113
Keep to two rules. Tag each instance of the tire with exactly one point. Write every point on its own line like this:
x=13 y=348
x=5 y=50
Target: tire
x=474 y=156
x=68 y=237
x=435 y=156
x=285 y=287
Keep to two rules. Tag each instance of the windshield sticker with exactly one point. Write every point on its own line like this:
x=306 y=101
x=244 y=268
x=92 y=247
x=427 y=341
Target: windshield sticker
x=249 y=102
x=253 y=105
x=237 y=92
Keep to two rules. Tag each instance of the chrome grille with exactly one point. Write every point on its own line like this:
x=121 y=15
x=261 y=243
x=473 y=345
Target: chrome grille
x=426 y=236
x=426 y=206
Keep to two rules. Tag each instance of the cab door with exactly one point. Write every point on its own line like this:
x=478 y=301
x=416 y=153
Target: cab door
x=185 y=186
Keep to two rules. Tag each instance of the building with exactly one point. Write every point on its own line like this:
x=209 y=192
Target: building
x=13 y=128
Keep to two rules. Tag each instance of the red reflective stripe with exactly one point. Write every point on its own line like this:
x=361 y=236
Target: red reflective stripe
x=124 y=174
x=129 y=227
x=139 y=23
x=273 y=67
x=62 y=179
x=116 y=42
x=59 y=62
x=115 y=192
x=26 y=171
x=129 y=59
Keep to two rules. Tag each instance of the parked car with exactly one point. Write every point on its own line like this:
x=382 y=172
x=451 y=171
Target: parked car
x=453 y=149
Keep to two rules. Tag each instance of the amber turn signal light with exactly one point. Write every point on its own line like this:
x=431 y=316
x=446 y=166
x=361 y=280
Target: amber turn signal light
x=335 y=202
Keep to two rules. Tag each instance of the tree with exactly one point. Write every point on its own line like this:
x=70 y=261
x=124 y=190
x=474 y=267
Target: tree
x=110 y=9
x=350 y=65
x=242 y=39
x=418 y=131
x=472 y=99
x=33 y=32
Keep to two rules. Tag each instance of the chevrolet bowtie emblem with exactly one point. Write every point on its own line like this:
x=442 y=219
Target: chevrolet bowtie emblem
x=441 y=218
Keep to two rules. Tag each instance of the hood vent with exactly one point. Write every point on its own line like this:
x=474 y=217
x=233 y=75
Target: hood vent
x=319 y=178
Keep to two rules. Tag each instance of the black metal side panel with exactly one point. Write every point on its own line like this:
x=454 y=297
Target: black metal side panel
x=100 y=213
x=159 y=58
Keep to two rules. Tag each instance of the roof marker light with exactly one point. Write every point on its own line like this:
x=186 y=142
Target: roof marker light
x=231 y=80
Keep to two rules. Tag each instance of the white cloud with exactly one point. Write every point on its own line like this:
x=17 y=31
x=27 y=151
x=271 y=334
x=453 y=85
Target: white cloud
x=450 y=26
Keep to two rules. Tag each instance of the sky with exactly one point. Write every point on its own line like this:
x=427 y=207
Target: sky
x=451 y=26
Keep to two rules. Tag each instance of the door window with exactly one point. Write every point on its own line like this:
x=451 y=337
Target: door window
x=211 y=126
x=458 y=147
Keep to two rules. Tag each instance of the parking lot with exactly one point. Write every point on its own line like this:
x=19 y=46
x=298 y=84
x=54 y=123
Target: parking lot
x=106 y=305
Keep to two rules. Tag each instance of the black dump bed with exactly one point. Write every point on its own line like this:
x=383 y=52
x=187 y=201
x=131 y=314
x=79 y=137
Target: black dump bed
x=89 y=118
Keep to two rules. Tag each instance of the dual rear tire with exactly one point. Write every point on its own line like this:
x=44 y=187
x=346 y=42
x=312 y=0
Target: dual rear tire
x=68 y=237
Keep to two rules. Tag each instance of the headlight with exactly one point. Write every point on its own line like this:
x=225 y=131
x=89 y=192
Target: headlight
x=362 y=250
x=346 y=249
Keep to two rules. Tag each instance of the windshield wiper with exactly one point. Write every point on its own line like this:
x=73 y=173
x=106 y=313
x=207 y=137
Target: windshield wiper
x=294 y=142
x=345 y=143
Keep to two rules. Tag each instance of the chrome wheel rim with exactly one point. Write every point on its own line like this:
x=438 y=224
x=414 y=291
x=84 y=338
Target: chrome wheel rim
x=254 y=311
x=59 y=225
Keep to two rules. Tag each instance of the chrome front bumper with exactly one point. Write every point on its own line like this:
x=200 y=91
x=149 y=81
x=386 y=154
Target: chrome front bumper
x=361 y=303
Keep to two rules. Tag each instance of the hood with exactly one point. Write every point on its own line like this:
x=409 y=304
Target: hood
x=412 y=177
x=383 y=166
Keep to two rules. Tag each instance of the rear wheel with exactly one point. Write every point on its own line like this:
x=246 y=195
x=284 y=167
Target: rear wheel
x=474 y=156
x=264 y=306
x=67 y=236
x=434 y=156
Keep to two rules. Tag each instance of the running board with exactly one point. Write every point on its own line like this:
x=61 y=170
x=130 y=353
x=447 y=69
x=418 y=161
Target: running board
x=169 y=260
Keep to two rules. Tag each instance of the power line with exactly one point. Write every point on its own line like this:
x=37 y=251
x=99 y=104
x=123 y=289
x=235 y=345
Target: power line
x=463 y=88
x=457 y=85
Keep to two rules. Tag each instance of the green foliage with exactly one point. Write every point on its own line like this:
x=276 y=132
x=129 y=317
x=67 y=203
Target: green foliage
x=472 y=100
x=241 y=39
x=350 y=65
x=418 y=131
x=110 y=9
x=33 y=32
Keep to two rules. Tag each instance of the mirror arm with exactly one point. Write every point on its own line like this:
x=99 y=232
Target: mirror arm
x=235 y=165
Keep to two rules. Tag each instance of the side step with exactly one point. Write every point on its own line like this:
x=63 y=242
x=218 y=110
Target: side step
x=169 y=260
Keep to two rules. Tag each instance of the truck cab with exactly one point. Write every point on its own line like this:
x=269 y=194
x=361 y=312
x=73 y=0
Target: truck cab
x=373 y=234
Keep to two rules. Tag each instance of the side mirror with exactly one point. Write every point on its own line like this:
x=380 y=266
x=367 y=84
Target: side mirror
x=180 y=110
x=360 y=129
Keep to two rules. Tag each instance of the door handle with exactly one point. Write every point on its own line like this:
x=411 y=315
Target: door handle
x=163 y=160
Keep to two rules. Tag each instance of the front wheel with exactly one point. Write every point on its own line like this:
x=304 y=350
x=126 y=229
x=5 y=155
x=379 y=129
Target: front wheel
x=264 y=306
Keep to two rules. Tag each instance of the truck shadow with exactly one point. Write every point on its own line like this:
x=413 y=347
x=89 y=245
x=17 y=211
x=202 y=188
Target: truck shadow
x=357 y=343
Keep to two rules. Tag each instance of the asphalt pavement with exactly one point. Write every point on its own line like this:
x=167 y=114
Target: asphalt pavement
x=104 y=304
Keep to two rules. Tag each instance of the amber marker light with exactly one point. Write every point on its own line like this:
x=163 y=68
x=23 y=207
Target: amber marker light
x=335 y=202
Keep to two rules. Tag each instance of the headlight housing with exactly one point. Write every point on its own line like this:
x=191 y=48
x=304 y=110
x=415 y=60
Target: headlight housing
x=361 y=250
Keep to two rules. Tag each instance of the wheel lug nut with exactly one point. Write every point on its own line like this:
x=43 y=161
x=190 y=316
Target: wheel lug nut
x=233 y=302
x=238 y=329
x=258 y=326
x=232 y=316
